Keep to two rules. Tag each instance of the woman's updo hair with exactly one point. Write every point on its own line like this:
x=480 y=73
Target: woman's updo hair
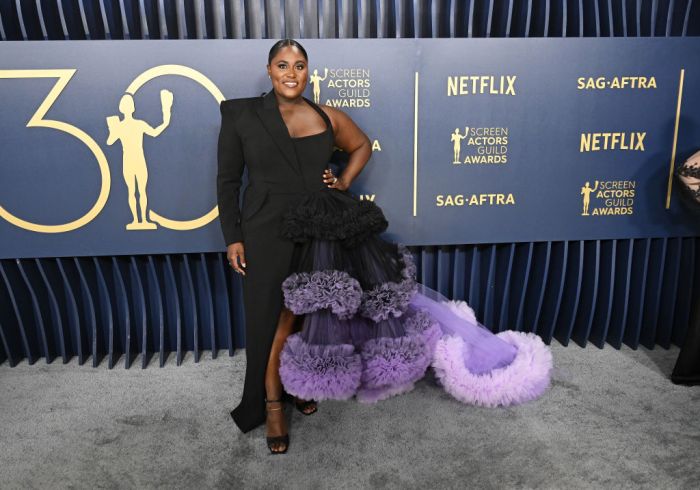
x=283 y=43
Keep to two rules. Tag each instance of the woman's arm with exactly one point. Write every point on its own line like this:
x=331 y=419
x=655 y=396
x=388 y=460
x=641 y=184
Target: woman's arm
x=228 y=185
x=229 y=175
x=352 y=140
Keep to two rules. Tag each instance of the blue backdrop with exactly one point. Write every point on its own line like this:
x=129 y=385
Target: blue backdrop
x=475 y=141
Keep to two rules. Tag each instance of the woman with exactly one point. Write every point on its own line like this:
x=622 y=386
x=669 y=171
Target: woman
x=687 y=368
x=368 y=329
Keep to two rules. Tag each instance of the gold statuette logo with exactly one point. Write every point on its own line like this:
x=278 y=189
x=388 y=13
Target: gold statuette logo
x=130 y=132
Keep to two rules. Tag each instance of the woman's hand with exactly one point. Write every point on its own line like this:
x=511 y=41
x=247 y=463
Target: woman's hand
x=235 y=253
x=348 y=137
x=334 y=182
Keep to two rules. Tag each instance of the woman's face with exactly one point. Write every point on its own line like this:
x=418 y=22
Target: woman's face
x=288 y=71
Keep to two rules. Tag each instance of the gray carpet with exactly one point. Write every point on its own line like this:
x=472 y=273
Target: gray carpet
x=610 y=420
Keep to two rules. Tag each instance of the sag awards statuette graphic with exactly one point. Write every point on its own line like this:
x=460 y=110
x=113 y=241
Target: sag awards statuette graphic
x=457 y=143
x=130 y=132
x=315 y=80
x=610 y=198
x=484 y=145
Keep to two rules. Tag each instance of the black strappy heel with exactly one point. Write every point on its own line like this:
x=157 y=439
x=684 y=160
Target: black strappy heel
x=271 y=440
x=302 y=406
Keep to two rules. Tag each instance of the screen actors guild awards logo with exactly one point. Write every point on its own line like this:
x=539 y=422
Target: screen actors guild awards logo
x=483 y=145
x=609 y=198
x=130 y=132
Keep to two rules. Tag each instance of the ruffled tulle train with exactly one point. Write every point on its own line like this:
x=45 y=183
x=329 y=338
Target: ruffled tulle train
x=370 y=331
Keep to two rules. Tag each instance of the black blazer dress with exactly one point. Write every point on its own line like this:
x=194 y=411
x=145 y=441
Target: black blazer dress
x=253 y=135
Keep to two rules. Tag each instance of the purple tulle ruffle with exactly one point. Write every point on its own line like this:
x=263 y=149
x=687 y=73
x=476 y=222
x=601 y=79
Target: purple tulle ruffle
x=371 y=330
x=391 y=298
x=373 y=369
x=392 y=366
x=319 y=372
x=423 y=325
x=393 y=361
x=409 y=269
x=308 y=292
x=524 y=379
x=388 y=299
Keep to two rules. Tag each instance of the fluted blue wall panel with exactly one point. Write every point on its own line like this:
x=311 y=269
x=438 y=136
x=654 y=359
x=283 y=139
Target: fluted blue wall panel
x=236 y=19
x=631 y=292
x=610 y=291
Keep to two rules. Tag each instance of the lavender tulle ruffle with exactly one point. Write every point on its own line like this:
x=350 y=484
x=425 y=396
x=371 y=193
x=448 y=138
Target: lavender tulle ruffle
x=357 y=362
x=307 y=292
x=480 y=368
x=390 y=298
x=371 y=331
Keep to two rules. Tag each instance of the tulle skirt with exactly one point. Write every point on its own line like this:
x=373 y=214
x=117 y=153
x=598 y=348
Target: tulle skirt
x=370 y=331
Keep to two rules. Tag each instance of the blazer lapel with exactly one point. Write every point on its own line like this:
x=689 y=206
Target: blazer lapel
x=271 y=118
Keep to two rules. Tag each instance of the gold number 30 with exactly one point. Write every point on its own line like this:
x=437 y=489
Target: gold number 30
x=37 y=120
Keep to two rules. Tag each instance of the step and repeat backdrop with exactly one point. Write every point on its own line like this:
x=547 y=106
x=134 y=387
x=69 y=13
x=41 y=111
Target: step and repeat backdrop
x=109 y=147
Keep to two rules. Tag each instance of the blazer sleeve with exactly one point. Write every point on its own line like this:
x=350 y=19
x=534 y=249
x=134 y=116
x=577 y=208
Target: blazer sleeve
x=230 y=166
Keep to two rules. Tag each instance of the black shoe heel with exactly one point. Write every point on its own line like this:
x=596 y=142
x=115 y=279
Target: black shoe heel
x=302 y=406
x=272 y=440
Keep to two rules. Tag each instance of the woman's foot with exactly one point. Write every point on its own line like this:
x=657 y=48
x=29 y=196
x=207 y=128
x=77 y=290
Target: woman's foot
x=307 y=407
x=276 y=434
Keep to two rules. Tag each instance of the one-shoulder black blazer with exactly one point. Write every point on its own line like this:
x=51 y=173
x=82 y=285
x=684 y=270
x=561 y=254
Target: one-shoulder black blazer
x=253 y=134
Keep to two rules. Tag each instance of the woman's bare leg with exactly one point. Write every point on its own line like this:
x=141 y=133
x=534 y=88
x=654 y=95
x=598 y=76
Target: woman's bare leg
x=276 y=423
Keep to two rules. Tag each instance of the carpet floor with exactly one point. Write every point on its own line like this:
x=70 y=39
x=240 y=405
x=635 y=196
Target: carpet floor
x=611 y=419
